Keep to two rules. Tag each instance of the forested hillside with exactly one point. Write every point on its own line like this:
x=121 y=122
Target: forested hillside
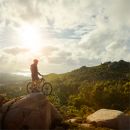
x=90 y=88
x=86 y=89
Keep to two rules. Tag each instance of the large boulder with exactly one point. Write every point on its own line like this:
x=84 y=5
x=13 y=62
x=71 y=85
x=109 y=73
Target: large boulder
x=110 y=118
x=33 y=111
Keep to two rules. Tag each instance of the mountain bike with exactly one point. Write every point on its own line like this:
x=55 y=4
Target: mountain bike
x=39 y=86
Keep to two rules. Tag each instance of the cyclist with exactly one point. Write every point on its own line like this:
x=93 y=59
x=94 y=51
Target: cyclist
x=37 y=83
x=34 y=70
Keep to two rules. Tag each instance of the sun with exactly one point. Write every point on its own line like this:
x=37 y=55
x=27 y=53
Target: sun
x=30 y=37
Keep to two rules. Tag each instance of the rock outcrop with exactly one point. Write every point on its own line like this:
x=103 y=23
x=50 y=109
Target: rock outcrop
x=33 y=111
x=110 y=118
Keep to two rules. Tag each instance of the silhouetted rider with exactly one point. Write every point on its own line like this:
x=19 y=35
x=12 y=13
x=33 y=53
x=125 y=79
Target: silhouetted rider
x=34 y=70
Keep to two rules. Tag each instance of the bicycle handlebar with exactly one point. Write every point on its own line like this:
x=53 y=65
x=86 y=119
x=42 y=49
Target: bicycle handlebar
x=42 y=77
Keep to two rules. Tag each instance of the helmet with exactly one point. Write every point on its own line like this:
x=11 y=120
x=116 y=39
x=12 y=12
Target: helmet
x=35 y=60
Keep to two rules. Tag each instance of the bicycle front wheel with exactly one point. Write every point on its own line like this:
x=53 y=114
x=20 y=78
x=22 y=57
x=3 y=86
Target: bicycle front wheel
x=47 y=88
x=29 y=87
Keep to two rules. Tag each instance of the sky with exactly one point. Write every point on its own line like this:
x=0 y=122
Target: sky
x=62 y=34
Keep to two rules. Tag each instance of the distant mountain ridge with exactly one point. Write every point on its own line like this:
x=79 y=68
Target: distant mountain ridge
x=104 y=86
x=107 y=71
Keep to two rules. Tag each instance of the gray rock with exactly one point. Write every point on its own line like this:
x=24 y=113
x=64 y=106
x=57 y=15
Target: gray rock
x=33 y=111
x=110 y=118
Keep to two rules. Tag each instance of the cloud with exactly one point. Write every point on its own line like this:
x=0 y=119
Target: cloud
x=7 y=63
x=47 y=12
x=61 y=57
x=76 y=32
x=49 y=50
x=117 y=50
x=4 y=59
x=63 y=13
x=110 y=39
x=118 y=12
x=106 y=44
x=15 y=50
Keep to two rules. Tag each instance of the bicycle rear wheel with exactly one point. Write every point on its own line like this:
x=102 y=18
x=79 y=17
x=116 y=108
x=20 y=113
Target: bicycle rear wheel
x=47 y=88
x=29 y=87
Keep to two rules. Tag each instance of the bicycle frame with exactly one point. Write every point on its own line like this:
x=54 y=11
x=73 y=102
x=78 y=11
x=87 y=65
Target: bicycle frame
x=39 y=85
x=38 y=82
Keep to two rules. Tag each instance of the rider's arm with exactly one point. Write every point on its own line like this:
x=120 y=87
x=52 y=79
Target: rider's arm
x=39 y=74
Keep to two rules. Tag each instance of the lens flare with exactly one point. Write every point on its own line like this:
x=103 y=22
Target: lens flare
x=30 y=37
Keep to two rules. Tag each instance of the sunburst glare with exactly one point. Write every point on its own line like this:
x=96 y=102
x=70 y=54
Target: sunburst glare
x=30 y=37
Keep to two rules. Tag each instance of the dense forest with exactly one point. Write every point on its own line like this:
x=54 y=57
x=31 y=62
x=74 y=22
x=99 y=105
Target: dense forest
x=84 y=90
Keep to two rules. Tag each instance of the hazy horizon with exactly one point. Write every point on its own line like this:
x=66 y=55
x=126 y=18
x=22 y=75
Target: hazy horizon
x=28 y=73
x=62 y=34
